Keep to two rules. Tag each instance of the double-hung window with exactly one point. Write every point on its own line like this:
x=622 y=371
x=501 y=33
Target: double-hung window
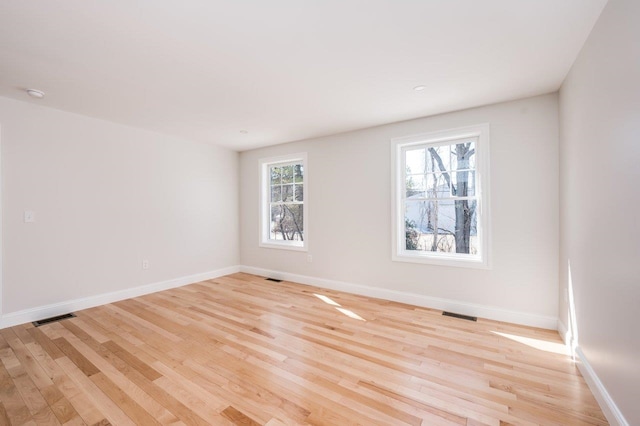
x=283 y=202
x=441 y=187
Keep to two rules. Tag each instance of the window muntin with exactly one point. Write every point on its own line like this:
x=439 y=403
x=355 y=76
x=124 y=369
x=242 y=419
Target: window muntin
x=283 y=202
x=440 y=214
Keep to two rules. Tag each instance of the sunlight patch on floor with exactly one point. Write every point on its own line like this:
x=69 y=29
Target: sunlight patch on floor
x=351 y=314
x=339 y=307
x=543 y=345
x=326 y=299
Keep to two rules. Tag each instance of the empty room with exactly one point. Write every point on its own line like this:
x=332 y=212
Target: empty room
x=409 y=212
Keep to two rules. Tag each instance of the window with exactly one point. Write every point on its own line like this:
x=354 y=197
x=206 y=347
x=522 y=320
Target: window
x=283 y=202
x=441 y=183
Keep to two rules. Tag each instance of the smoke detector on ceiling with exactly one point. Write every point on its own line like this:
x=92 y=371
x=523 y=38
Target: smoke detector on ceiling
x=38 y=94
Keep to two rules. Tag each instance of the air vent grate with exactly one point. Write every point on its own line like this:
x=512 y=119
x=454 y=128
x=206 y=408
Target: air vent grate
x=274 y=280
x=464 y=317
x=53 y=319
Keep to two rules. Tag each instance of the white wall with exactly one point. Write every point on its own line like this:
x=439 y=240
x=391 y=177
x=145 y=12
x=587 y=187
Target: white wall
x=105 y=197
x=349 y=229
x=600 y=189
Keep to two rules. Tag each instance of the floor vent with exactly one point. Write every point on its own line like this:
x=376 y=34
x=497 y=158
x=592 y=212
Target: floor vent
x=274 y=280
x=464 y=317
x=53 y=319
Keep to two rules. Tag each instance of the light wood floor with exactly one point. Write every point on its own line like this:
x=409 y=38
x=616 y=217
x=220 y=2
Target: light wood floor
x=242 y=350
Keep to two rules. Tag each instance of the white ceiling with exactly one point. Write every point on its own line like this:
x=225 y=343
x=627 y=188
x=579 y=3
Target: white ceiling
x=284 y=70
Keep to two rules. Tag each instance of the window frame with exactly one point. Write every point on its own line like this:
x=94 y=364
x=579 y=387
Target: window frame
x=399 y=145
x=265 y=201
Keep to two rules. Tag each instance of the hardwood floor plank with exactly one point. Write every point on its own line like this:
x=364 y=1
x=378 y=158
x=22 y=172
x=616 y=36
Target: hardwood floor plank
x=132 y=361
x=142 y=323
x=103 y=403
x=137 y=413
x=45 y=417
x=427 y=409
x=164 y=398
x=64 y=398
x=46 y=343
x=59 y=405
x=237 y=417
x=76 y=357
x=114 y=382
x=86 y=409
x=13 y=404
x=4 y=417
x=17 y=371
x=33 y=369
x=194 y=401
x=242 y=350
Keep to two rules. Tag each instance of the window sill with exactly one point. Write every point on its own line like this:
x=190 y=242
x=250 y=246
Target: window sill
x=451 y=261
x=283 y=246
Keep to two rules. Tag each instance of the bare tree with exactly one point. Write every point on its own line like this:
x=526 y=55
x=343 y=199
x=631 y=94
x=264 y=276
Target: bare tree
x=463 y=209
x=295 y=220
x=434 y=244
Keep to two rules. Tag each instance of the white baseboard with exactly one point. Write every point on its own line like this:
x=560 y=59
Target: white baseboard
x=48 y=311
x=566 y=336
x=608 y=406
x=563 y=331
x=489 y=312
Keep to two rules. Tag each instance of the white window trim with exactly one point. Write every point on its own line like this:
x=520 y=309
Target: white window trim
x=263 y=239
x=398 y=251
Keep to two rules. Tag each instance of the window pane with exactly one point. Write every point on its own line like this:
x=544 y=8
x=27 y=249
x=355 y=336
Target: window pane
x=446 y=226
x=438 y=157
x=287 y=192
x=463 y=156
x=286 y=222
x=415 y=186
x=437 y=186
x=464 y=183
x=274 y=220
x=287 y=174
x=416 y=212
x=298 y=173
x=276 y=173
x=276 y=193
x=299 y=193
x=415 y=161
x=295 y=220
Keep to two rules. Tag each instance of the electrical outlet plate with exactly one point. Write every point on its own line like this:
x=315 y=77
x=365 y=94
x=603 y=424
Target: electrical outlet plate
x=29 y=216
